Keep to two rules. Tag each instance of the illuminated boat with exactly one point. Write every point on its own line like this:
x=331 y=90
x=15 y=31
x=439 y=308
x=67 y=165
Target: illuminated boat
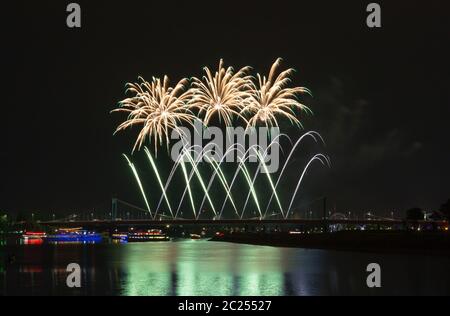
x=34 y=235
x=195 y=236
x=34 y=238
x=120 y=237
x=150 y=235
x=76 y=235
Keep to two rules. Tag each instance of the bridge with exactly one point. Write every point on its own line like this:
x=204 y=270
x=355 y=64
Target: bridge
x=224 y=222
x=326 y=221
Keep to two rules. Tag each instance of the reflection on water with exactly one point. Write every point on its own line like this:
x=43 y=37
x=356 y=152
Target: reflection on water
x=208 y=268
x=203 y=268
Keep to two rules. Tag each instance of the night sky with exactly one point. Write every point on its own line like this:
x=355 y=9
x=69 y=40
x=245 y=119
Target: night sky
x=381 y=96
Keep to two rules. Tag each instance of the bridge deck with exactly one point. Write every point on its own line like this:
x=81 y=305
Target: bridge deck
x=149 y=222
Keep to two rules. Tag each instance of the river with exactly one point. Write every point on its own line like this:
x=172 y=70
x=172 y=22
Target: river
x=199 y=268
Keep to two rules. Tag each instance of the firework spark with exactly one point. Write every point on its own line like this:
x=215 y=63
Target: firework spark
x=157 y=106
x=221 y=94
x=271 y=97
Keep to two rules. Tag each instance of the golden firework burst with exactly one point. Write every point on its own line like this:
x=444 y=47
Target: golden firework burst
x=221 y=94
x=271 y=97
x=158 y=107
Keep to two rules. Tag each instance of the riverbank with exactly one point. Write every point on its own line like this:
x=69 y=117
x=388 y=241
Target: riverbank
x=362 y=241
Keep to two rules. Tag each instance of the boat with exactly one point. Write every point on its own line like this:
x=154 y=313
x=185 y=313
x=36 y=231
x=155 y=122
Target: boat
x=76 y=235
x=196 y=236
x=150 y=235
x=34 y=235
x=119 y=238
x=122 y=237
x=34 y=238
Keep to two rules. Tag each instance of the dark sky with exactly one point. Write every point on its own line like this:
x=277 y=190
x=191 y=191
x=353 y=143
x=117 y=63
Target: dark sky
x=381 y=96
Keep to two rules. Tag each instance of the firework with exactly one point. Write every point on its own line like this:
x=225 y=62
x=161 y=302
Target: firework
x=271 y=97
x=221 y=94
x=158 y=107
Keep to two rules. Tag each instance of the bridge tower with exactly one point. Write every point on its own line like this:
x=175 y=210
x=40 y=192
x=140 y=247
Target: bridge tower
x=113 y=208
x=325 y=216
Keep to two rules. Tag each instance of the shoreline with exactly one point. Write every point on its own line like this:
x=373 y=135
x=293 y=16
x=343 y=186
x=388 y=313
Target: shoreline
x=427 y=243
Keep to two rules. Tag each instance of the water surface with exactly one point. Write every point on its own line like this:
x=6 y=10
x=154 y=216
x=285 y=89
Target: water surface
x=212 y=268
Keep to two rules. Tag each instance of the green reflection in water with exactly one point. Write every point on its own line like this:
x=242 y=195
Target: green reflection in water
x=153 y=284
x=197 y=283
x=261 y=285
x=201 y=268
